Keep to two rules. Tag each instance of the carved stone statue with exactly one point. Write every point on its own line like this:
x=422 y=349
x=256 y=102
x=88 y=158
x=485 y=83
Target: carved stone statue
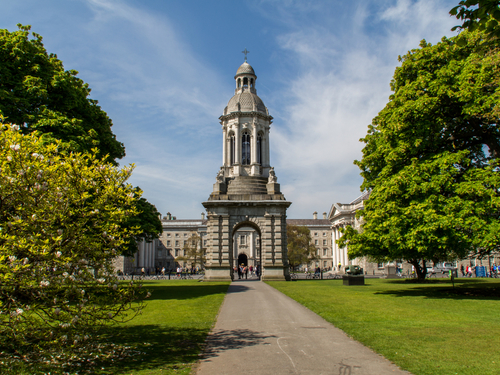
x=272 y=176
x=220 y=176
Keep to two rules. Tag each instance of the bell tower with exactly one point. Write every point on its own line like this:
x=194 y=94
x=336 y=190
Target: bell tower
x=246 y=194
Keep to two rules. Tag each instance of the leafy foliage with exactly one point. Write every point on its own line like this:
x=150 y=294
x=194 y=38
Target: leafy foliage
x=60 y=223
x=483 y=15
x=299 y=245
x=37 y=94
x=146 y=219
x=430 y=158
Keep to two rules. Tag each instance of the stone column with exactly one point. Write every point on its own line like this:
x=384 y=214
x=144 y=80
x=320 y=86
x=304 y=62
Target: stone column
x=237 y=145
x=334 y=248
x=225 y=161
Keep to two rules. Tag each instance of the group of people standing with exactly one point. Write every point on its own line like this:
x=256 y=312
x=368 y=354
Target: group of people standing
x=243 y=271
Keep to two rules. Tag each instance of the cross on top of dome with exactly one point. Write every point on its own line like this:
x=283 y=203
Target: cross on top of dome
x=246 y=53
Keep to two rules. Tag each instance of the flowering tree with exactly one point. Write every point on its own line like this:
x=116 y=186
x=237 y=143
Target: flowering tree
x=60 y=219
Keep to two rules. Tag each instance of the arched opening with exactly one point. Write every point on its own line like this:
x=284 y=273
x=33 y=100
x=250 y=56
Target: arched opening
x=245 y=248
x=259 y=149
x=251 y=82
x=245 y=82
x=231 y=149
x=239 y=82
x=245 y=148
x=243 y=260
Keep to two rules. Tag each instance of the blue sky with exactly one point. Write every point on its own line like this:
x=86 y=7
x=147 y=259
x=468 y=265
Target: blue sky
x=163 y=71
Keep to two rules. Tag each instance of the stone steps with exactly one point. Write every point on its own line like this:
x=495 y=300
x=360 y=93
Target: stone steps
x=246 y=185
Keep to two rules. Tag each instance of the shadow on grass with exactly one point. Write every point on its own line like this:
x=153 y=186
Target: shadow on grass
x=154 y=347
x=162 y=347
x=181 y=292
x=480 y=289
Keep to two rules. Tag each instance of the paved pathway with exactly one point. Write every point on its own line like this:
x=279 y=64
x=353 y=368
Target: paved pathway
x=261 y=331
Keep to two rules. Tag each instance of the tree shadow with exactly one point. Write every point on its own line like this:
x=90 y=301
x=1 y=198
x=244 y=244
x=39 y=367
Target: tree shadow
x=236 y=288
x=182 y=292
x=464 y=289
x=153 y=347
x=221 y=340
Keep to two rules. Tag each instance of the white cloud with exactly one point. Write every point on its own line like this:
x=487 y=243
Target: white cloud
x=341 y=84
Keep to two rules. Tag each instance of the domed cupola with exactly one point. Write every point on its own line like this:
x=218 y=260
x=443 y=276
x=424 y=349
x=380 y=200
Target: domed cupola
x=245 y=97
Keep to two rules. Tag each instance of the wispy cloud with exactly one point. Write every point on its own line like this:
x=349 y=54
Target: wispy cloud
x=340 y=85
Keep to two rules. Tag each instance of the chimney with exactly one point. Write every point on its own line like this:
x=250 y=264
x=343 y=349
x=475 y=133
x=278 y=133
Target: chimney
x=324 y=215
x=315 y=215
x=202 y=216
x=169 y=217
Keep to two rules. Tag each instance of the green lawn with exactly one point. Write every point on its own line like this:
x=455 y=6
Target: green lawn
x=424 y=328
x=166 y=338
x=172 y=328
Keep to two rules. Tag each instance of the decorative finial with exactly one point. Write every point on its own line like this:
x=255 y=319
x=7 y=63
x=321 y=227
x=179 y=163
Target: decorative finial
x=246 y=53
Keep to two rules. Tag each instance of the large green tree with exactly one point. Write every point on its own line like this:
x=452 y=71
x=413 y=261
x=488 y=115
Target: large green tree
x=37 y=94
x=299 y=246
x=430 y=158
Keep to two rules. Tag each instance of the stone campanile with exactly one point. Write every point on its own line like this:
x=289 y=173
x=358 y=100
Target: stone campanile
x=246 y=194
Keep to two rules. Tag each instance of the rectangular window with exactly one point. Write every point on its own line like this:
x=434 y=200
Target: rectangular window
x=168 y=242
x=324 y=242
x=315 y=242
x=176 y=243
x=185 y=234
x=177 y=235
x=185 y=242
x=324 y=264
x=204 y=242
x=325 y=252
x=168 y=234
x=242 y=240
x=176 y=252
x=380 y=265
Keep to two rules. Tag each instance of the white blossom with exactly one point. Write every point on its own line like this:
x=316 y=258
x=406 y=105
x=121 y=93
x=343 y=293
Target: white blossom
x=14 y=127
x=44 y=283
x=12 y=258
x=15 y=147
x=58 y=254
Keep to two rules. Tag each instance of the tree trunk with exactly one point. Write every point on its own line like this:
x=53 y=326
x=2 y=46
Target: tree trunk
x=421 y=270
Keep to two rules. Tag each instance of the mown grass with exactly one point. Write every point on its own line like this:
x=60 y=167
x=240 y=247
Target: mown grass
x=171 y=330
x=166 y=338
x=427 y=329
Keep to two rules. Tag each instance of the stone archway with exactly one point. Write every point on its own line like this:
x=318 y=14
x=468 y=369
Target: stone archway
x=267 y=218
x=253 y=254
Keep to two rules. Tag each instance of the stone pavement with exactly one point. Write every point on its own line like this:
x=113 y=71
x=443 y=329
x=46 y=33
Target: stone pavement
x=261 y=331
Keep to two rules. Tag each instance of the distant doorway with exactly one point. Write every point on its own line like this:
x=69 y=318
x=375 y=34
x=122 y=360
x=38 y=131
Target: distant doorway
x=242 y=259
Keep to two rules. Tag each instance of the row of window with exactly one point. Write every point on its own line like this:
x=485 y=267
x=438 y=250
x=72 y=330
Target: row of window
x=316 y=234
x=245 y=149
x=325 y=242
